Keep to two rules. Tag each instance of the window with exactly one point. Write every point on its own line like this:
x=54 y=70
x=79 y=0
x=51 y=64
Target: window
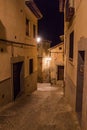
x=27 y=27
x=34 y=31
x=71 y=45
x=30 y=66
x=60 y=48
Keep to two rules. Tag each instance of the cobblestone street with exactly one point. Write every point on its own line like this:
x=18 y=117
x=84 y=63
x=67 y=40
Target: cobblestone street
x=45 y=109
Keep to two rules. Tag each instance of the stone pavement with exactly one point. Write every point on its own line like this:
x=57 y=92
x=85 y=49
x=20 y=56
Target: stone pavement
x=45 y=109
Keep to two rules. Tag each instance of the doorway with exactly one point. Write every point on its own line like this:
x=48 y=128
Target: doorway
x=60 y=72
x=17 y=68
x=80 y=81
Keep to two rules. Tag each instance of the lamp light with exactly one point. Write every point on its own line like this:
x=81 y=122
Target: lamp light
x=38 y=39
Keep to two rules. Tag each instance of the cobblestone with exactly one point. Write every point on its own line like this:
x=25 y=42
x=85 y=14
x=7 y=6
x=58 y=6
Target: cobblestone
x=45 y=109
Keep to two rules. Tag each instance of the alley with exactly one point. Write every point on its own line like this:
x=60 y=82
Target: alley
x=45 y=109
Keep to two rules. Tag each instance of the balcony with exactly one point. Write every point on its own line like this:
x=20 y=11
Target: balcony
x=69 y=11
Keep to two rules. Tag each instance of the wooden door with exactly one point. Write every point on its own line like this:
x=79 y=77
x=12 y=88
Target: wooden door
x=60 y=73
x=16 y=78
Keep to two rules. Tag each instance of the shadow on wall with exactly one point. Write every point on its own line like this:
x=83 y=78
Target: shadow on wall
x=3 y=47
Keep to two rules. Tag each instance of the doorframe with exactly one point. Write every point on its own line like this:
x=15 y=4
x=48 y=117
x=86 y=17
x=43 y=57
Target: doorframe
x=17 y=60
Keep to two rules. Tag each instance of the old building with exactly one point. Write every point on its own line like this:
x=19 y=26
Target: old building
x=57 y=63
x=18 y=51
x=75 y=23
x=43 y=60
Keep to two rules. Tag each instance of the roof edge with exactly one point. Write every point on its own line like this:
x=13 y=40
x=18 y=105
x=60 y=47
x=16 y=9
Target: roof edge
x=56 y=45
x=32 y=6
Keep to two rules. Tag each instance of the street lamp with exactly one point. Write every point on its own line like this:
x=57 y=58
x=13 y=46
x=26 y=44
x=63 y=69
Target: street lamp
x=38 y=39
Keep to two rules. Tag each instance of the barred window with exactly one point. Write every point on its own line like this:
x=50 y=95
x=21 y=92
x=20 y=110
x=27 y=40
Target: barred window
x=71 y=45
x=27 y=27
x=34 y=31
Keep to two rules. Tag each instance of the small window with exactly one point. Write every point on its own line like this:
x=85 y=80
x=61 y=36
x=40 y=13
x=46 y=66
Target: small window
x=60 y=48
x=27 y=27
x=71 y=45
x=34 y=31
x=30 y=66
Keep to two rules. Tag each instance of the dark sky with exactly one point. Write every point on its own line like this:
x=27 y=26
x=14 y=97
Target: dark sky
x=51 y=25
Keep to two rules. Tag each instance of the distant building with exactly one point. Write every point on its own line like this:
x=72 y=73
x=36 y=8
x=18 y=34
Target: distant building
x=18 y=51
x=75 y=45
x=43 y=60
x=57 y=63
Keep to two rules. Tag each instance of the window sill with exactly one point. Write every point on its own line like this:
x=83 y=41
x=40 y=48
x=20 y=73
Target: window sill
x=27 y=37
x=71 y=61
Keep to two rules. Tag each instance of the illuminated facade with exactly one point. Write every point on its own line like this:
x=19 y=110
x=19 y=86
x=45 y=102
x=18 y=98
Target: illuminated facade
x=43 y=61
x=75 y=45
x=18 y=51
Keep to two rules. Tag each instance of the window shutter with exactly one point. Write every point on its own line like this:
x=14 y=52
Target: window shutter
x=69 y=9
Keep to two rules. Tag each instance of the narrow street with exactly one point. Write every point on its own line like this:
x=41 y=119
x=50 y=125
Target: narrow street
x=45 y=109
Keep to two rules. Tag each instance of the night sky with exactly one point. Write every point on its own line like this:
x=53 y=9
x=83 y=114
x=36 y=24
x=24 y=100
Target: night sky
x=51 y=25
